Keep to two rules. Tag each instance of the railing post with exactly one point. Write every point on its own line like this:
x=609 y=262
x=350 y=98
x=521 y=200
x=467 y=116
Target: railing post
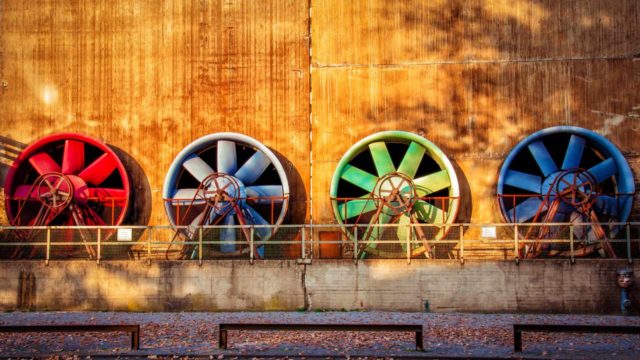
x=461 y=244
x=149 y=236
x=303 y=237
x=251 y=232
x=200 y=245
x=355 y=243
x=573 y=260
x=48 y=250
x=516 y=243
x=628 y=228
x=99 y=246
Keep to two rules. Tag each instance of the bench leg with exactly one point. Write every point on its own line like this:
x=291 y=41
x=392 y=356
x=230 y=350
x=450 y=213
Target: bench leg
x=517 y=341
x=419 y=341
x=135 y=340
x=222 y=340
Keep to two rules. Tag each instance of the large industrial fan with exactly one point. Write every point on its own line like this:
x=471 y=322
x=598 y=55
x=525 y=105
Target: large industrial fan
x=395 y=177
x=571 y=175
x=226 y=179
x=66 y=180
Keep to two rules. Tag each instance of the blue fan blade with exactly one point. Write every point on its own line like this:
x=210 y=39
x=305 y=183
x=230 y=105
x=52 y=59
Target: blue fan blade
x=263 y=233
x=197 y=167
x=253 y=168
x=228 y=235
x=608 y=205
x=543 y=158
x=523 y=180
x=226 y=156
x=525 y=210
x=604 y=170
x=266 y=194
x=187 y=197
x=573 y=156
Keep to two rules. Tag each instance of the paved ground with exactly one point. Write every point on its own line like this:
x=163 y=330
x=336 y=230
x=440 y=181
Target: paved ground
x=195 y=334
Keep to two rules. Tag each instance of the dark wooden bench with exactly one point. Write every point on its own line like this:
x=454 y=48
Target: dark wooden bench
x=518 y=329
x=322 y=327
x=133 y=329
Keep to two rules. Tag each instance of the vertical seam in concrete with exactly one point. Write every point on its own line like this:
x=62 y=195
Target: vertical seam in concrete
x=305 y=293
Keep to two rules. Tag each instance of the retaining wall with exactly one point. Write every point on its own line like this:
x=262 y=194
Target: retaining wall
x=446 y=285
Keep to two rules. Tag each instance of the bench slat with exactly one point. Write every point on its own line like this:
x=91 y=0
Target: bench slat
x=518 y=329
x=133 y=329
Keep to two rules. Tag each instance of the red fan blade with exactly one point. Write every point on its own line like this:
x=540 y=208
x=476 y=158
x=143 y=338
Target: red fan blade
x=43 y=163
x=92 y=217
x=22 y=192
x=73 y=158
x=99 y=170
x=108 y=197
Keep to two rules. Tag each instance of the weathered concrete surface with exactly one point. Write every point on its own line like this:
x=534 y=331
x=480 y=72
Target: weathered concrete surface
x=167 y=285
x=487 y=286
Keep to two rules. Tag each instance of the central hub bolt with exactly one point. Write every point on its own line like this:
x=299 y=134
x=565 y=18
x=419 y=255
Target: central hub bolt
x=396 y=192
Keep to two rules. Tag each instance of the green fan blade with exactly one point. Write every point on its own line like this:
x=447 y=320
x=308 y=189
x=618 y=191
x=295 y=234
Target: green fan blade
x=403 y=231
x=411 y=160
x=381 y=158
x=429 y=213
x=431 y=183
x=359 y=177
x=356 y=207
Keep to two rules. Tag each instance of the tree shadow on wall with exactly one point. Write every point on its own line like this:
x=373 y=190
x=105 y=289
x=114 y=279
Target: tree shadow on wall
x=9 y=151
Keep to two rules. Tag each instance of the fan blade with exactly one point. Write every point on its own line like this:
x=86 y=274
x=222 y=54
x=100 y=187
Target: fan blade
x=608 y=205
x=43 y=163
x=107 y=196
x=228 y=235
x=22 y=192
x=73 y=157
x=92 y=218
x=253 y=168
x=263 y=233
x=197 y=167
x=359 y=178
x=226 y=156
x=523 y=181
x=265 y=194
x=604 y=170
x=356 y=207
x=543 y=158
x=99 y=170
x=428 y=212
x=525 y=210
x=404 y=229
x=431 y=183
x=411 y=160
x=376 y=231
x=188 y=196
x=573 y=156
x=381 y=158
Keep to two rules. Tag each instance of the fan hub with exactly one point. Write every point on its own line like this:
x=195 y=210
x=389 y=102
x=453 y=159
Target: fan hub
x=224 y=192
x=575 y=187
x=396 y=193
x=56 y=190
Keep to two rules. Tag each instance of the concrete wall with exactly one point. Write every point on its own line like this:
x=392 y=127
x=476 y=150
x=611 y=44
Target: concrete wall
x=492 y=286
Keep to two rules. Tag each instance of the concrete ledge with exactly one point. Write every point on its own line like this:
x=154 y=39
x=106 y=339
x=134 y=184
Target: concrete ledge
x=235 y=285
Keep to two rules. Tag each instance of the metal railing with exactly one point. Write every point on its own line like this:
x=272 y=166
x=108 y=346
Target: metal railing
x=305 y=242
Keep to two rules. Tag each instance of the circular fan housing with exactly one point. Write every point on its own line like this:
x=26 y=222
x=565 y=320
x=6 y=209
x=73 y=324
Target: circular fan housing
x=227 y=179
x=395 y=177
x=566 y=174
x=67 y=179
